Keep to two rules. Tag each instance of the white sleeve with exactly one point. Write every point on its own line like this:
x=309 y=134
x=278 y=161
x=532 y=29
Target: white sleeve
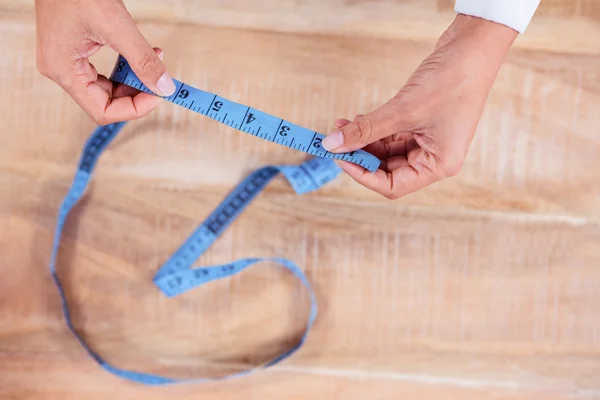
x=515 y=14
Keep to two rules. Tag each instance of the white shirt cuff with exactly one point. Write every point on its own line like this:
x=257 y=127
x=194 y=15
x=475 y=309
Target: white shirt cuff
x=515 y=14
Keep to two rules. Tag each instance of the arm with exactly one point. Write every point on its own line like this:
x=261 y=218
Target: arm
x=422 y=134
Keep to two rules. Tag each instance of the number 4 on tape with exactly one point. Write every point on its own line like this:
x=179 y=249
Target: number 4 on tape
x=246 y=119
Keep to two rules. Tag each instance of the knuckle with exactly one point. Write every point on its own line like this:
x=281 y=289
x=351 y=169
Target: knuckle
x=46 y=65
x=42 y=67
x=391 y=194
x=451 y=169
x=99 y=119
x=147 y=64
x=363 y=129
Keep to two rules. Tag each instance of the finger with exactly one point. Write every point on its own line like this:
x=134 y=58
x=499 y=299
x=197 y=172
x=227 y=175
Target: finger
x=122 y=90
x=125 y=38
x=402 y=180
x=97 y=101
x=384 y=121
x=142 y=103
x=398 y=148
x=341 y=122
x=105 y=84
x=410 y=172
x=394 y=163
x=406 y=179
x=96 y=95
x=384 y=150
x=129 y=108
x=378 y=149
x=103 y=109
x=84 y=70
x=378 y=181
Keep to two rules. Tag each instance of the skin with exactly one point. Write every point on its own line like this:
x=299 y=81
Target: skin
x=421 y=135
x=70 y=31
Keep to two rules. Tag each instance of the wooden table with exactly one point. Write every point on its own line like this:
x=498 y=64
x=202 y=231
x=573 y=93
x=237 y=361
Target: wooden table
x=486 y=285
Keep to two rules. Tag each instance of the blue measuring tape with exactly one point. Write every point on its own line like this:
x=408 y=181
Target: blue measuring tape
x=246 y=119
x=178 y=275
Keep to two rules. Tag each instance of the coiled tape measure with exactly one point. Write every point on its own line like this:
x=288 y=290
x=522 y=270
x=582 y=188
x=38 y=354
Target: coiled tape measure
x=177 y=274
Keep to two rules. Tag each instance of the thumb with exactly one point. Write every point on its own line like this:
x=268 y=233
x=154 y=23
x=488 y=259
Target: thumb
x=366 y=129
x=131 y=44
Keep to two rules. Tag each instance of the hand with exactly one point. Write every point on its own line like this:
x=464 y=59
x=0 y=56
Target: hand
x=70 y=31
x=422 y=135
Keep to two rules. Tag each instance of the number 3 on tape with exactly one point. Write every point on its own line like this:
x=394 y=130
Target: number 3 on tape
x=246 y=119
x=178 y=275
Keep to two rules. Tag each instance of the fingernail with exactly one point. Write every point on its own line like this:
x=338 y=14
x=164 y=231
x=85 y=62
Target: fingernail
x=160 y=55
x=333 y=141
x=166 y=85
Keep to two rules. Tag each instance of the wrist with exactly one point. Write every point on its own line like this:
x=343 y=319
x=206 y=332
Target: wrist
x=480 y=38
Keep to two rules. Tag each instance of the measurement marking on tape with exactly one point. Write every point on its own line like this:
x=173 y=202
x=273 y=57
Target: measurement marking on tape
x=246 y=118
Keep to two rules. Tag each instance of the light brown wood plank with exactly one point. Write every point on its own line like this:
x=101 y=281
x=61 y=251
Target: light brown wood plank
x=49 y=380
x=483 y=286
x=510 y=302
x=535 y=150
x=571 y=26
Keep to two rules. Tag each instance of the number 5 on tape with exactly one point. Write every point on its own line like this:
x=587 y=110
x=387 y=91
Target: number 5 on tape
x=246 y=119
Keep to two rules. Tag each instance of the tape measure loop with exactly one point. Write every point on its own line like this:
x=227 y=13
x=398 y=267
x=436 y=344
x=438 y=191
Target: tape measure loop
x=177 y=275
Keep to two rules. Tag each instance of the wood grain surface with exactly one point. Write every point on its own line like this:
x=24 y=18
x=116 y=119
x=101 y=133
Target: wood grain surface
x=481 y=286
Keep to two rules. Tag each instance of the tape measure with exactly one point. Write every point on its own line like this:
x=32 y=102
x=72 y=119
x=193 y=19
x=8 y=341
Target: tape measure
x=178 y=274
x=246 y=119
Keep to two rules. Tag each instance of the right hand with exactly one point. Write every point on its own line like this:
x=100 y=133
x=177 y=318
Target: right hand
x=70 y=31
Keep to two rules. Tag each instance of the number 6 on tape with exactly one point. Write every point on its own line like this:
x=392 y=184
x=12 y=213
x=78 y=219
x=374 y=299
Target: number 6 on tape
x=246 y=119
